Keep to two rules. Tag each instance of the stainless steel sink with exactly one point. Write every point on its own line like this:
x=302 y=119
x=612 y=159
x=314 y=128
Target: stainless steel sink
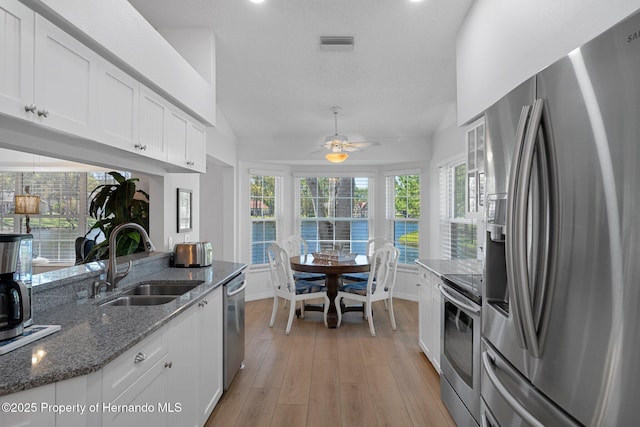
x=131 y=300
x=175 y=288
x=153 y=293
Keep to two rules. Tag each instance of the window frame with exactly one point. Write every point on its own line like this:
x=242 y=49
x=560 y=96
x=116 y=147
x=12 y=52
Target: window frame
x=452 y=215
x=275 y=218
x=392 y=219
x=317 y=244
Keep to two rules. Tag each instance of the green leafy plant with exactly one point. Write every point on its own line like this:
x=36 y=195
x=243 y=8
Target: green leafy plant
x=115 y=204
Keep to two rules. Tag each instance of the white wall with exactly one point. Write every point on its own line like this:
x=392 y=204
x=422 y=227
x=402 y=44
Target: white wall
x=504 y=42
x=163 y=201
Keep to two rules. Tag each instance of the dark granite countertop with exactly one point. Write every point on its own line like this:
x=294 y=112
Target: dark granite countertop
x=451 y=266
x=91 y=336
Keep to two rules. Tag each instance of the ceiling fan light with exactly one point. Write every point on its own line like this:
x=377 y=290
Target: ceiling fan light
x=336 y=157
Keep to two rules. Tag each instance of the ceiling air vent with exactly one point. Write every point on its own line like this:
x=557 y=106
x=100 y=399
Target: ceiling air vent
x=336 y=43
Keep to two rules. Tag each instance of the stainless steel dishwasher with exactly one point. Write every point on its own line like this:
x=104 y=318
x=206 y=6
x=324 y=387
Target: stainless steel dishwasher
x=233 y=297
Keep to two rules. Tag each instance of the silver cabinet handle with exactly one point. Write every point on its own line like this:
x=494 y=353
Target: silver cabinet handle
x=31 y=108
x=43 y=113
x=140 y=147
x=140 y=357
x=201 y=304
x=190 y=162
x=168 y=364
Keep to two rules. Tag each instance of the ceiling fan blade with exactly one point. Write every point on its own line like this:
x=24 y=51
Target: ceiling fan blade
x=360 y=145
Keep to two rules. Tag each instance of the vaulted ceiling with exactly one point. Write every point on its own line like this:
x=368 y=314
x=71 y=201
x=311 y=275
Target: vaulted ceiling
x=275 y=85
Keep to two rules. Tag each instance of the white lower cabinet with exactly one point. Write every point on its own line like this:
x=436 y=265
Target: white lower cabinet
x=210 y=363
x=429 y=316
x=174 y=377
x=180 y=391
x=24 y=408
x=194 y=382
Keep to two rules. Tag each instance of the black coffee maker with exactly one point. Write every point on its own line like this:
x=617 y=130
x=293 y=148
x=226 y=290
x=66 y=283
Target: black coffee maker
x=15 y=301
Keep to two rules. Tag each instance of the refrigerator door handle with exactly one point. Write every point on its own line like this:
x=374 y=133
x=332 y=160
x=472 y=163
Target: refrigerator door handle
x=520 y=232
x=511 y=225
x=504 y=392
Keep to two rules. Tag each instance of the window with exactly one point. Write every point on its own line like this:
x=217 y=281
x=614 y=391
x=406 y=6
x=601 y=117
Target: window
x=334 y=211
x=458 y=239
x=403 y=215
x=263 y=216
x=64 y=201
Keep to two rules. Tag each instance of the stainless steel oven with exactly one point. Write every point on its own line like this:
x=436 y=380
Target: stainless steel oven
x=460 y=358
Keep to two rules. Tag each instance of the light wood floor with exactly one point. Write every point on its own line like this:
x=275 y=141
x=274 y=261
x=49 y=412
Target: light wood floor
x=332 y=377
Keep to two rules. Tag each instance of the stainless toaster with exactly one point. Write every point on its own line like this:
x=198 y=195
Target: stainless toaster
x=198 y=254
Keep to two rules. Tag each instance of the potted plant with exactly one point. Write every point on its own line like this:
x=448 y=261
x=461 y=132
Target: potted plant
x=115 y=204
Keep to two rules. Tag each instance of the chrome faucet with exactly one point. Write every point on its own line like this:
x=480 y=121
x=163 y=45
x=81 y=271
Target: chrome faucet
x=113 y=276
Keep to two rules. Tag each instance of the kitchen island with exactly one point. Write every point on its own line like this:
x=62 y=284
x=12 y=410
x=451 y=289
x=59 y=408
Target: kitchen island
x=94 y=338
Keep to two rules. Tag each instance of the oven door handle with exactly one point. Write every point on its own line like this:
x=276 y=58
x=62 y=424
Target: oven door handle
x=458 y=302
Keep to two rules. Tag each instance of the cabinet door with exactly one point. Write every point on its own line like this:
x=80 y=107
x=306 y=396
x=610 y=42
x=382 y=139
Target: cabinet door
x=177 y=134
x=144 y=395
x=424 y=304
x=118 y=106
x=65 y=81
x=181 y=376
x=16 y=59
x=197 y=148
x=153 y=128
x=436 y=322
x=210 y=354
x=24 y=407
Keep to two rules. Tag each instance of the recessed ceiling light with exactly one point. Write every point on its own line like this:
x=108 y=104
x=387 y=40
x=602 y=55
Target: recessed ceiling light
x=415 y=1
x=256 y=1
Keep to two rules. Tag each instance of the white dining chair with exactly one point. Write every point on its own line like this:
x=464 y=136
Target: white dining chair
x=379 y=286
x=297 y=246
x=372 y=246
x=286 y=287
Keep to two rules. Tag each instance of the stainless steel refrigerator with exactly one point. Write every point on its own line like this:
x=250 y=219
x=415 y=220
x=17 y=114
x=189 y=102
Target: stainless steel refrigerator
x=561 y=304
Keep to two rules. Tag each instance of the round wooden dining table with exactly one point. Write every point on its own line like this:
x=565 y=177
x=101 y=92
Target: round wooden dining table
x=334 y=271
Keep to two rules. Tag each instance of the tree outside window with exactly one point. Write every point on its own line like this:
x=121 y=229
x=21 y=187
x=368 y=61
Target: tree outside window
x=403 y=215
x=263 y=216
x=334 y=211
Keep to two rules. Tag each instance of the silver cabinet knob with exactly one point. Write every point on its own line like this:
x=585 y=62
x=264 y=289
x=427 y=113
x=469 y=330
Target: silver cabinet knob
x=140 y=147
x=43 y=113
x=30 y=108
x=168 y=364
x=140 y=357
x=191 y=163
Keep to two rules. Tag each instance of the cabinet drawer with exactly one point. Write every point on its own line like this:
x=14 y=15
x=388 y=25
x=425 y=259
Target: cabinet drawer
x=128 y=367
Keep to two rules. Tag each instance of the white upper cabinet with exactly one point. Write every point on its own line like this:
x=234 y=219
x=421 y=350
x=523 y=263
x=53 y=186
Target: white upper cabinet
x=186 y=142
x=153 y=127
x=46 y=75
x=197 y=147
x=118 y=106
x=16 y=58
x=52 y=79
x=475 y=183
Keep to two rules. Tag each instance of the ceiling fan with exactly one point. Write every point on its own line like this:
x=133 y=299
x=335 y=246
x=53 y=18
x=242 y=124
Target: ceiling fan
x=338 y=145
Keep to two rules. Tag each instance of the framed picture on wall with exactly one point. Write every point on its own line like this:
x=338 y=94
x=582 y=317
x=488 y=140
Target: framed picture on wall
x=184 y=210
